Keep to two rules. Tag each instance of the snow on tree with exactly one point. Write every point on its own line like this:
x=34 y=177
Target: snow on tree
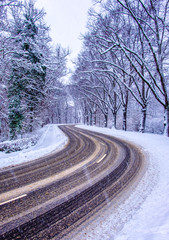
x=6 y=49
x=31 y=70
x=151 y=19
x=28 y=70
x=130 y=39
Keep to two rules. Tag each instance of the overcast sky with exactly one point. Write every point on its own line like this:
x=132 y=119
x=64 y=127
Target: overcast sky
x=67 y=19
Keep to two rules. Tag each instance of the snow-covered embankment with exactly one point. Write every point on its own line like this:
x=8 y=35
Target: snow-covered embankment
x=51 y=138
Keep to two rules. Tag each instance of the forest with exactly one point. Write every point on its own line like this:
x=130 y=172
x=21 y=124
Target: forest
x=122 y=72
x=31 y=69
x=120 y=78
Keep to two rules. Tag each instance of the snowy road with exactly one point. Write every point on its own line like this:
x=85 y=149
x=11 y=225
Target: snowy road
x=58 y=192
x=145 y=214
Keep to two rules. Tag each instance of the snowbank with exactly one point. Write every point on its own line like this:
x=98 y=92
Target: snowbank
x=50 y=137
x=145 y=214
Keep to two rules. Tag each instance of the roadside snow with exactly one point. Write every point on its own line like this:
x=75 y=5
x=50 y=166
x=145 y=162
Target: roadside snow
x=51 y=138
x=145 y=214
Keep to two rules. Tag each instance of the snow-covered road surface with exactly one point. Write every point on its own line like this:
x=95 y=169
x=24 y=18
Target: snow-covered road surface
x=145 y=214
x=88 y=187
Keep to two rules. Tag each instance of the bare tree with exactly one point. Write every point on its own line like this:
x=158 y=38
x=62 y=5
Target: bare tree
x=151 y=19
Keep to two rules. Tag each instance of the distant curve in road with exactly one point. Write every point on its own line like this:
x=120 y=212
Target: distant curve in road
x=61 y=191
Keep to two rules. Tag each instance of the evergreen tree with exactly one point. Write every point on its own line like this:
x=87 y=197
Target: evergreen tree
x=27 y=80
x=14 y=94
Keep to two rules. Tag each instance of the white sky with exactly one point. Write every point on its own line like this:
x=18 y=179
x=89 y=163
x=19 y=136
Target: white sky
x=67 y=20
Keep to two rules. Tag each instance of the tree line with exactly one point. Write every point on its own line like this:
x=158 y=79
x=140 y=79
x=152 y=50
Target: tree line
x=124 y=61
x=31 y=71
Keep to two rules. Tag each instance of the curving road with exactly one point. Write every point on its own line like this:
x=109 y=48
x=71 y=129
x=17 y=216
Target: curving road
x=51 y=196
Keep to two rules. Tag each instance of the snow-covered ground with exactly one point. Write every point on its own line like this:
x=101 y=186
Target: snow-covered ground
x=50 y=137
x=145 y=214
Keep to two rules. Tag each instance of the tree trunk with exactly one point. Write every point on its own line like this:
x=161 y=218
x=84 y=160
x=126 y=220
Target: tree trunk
x=124 y=118
x=31 y=119
x=166 y=121
x=91 y=118
x=87 y=119
x=105 y=120
x=52 y=118
x=84 y=119
x=66 y=114
x=114 y=119
x=143 y=120
x=94 y=119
